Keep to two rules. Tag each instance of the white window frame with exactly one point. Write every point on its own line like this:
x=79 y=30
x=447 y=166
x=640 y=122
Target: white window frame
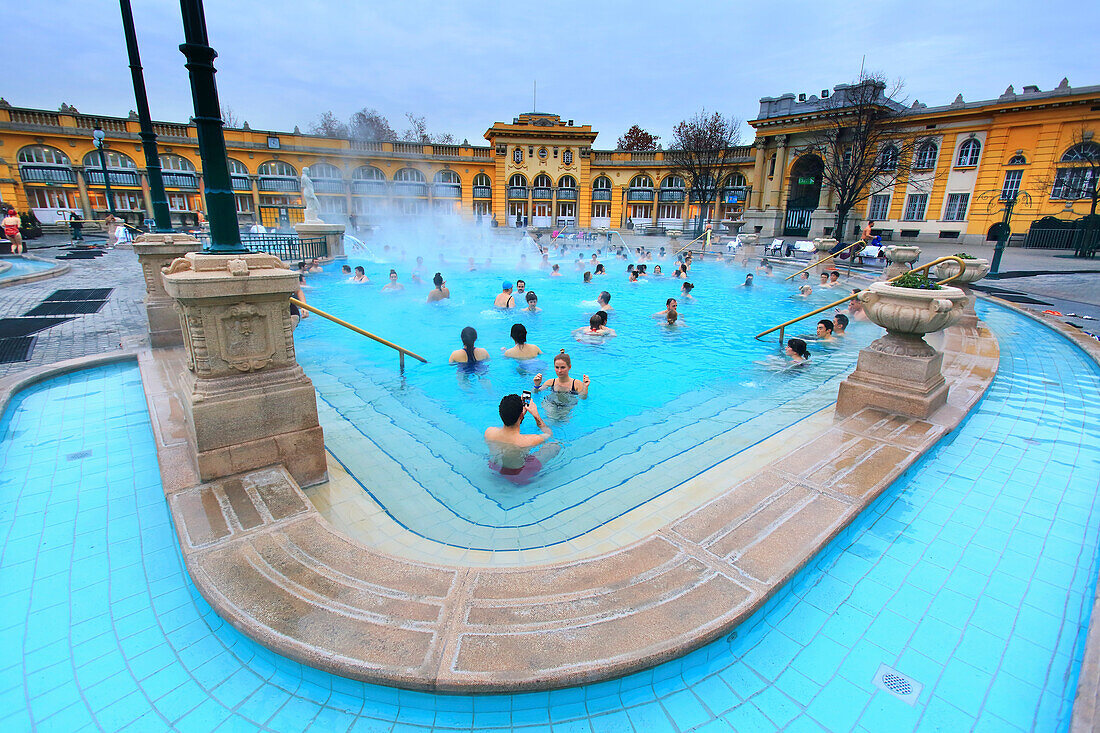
x=911 y=203
x=972 y=150
x=1011 y=184
x=877 y=200
x=956 y=206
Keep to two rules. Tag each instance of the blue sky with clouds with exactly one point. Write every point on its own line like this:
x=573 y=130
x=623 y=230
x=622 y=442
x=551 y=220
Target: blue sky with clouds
x=609 y=64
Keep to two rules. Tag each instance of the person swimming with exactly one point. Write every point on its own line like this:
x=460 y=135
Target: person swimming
x=670 y=307
x=561 y=382
x=469 y=353
x=685 y=291
x=360 y=275
x=441 y=292
x=597 y=328
x=656 y=270
x=825 y=330
x=532 y=303
x=504 y=298
x=603 y=301
x=510 y=451
x=600 y=269
x=346 y=270
x=587 y=277
x=748 y=281
x=797 y=351
x=393 y=284
x=521 y=286
x=555 y=271
x=805 y=291
x=522 y=350
x=840 y=324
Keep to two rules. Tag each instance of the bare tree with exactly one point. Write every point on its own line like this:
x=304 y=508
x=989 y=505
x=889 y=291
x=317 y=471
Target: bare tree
x=863 y=145
x=229 y=117
x=637 y=139
x=371 y=126
x=417 y=132
x=702 y=154
x=329 y=126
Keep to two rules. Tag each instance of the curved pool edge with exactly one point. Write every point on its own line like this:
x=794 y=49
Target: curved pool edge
x=1086 y=703
x=55 y=271
x=271 y=565
x=13 y=383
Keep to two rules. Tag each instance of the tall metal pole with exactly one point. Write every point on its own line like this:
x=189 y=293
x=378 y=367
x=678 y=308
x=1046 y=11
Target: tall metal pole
x=221 y=207
x=1002 y=236
x=97 y=138
x=161 y=214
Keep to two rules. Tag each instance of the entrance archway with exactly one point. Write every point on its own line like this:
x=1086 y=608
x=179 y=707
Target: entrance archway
x=803 y=195
x=995 y=232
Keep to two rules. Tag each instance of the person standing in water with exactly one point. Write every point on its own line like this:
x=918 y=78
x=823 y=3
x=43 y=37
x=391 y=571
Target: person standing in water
x=510 y=451
x=469 y=353
x=561 y=382
x=522 y=350
x=393 y=284
x=504 y=298
x=441 y=292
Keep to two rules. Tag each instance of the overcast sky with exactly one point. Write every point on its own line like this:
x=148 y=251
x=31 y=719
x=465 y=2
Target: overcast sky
x=609 y=64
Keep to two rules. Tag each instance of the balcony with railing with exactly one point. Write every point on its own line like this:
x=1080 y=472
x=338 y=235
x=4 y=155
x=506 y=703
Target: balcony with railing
x=46 y=174
x=118 y=178
x=241 y=183
x=447 y=190
x=542 y=193
x=481 y=152
x=369 y=146
x=517 y=192
x=180 y=180
x=368 y=187
x=329 y=185
x=278 y=183
x=601 y=194
x=483 y=192
x=567 y=194
x=446 y=151
x=639 y=194
x=601 y=156
x=643 y=156
x=34 y=117
x=165 y=129
x=409 y=188
x=408 y=148
x=671 y=195
x=88 y=122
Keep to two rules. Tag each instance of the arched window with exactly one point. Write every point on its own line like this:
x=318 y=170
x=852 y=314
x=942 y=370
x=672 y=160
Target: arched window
x=115 y=160
x=1086 y=152
x=735 y=180
x=925 y=158
x=483 y=180
x=517 y=179
x=969 y=152
x=601 y=183
x=237 y=168
x=278 y=168
x=1017 y=160
x=447 y=177
x=567 y=182
x=672 y=182
x=888 y=158
x=171 y=162
x=368 y=173
x=641 y=181
x=408 y=175
x=447 y=184
x=43 y=155
x=322 y=170
x=543 y=181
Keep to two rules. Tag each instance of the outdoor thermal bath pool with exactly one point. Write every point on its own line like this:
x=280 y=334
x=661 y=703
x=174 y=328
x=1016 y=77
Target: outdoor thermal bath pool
x=665 y=404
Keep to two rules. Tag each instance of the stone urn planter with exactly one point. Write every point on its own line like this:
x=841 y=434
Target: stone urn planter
x=824 y=246
x=748 y=247
x=901 y=258
x=901 y=372
x=976 y=269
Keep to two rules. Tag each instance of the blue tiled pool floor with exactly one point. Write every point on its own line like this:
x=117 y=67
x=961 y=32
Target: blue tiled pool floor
x=973 y=575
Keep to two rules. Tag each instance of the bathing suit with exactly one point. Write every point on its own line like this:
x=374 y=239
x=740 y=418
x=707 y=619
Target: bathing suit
x=553 y=382
x=521 y=475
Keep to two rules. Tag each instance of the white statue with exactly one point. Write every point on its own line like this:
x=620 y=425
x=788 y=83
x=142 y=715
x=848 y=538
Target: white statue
x=313 y=206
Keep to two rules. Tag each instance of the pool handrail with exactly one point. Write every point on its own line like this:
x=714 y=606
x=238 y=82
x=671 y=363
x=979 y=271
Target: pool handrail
x=782 y=326
x=401 y=350
x=705 y=233
x=826 y=259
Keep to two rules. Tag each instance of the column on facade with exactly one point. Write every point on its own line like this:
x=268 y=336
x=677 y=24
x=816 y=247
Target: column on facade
x=146 y=193
x=780 y=172
x=756 y=201
x=82 y=191
x=254 y=182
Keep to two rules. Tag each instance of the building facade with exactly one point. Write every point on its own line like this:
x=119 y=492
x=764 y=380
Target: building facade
x=542 y=171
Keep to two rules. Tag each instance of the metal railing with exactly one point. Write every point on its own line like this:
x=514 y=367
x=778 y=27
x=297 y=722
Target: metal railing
x=401 y=351
x=483 y=192
x=329 y=185
x=670 y=195
x=368 y=186
x=542 y=193
x=271 y=183
x=826 y=259
x=46 y=174
x=567 y=194
x=782 y=326
x=241 y=183
x=410 y=188
x=517 y=192
x=639 y=194
x=181 y=180
x=118 y=178
x=289 y=248
x=601 y=194
x=447 y=190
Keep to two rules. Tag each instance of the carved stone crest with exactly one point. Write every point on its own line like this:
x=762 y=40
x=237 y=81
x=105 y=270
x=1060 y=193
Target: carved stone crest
x=246 y=342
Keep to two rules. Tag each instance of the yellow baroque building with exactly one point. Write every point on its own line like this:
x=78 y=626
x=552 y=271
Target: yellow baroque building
x=542 y=171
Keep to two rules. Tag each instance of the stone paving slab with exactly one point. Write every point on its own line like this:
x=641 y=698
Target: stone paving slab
x=266 y=559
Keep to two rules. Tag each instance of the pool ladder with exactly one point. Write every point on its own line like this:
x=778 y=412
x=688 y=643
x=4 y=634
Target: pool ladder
x=401 y=350
x=782 y=326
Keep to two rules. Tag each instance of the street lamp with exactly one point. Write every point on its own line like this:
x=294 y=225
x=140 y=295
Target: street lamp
x=98 y=136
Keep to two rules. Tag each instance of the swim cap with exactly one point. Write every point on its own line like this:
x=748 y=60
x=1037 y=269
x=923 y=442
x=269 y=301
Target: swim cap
x=506 y=285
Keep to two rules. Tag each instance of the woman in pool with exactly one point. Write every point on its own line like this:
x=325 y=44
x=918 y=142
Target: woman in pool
x=393 y=285
x=441 y=291
x=360 y=275
x=522 y=350
x=748 y=281
x=796 y=350
x=561 y=382
x=805 y=291
x=685 y=291
x=600 y=269
x=555 y=271
x=532 y=303
x=657 y=271
x=596 y=331
x=468 y=354
x=588 y=277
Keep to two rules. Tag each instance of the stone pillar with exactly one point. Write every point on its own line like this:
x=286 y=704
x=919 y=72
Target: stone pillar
x=748 y=248
x=333 y=234
x=824 y=246
x=246 y=401
x=82 y=191
x=755 y=198
x=775 y=195
x=901 y=372
x=901 y=258
x=155 y=252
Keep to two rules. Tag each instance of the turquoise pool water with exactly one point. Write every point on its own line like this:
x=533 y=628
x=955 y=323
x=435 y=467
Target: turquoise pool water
x=973 y=574
x=20 y=267
x=664 y=403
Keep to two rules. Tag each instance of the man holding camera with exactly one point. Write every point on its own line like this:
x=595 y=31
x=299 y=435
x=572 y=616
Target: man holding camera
x=509 y=449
